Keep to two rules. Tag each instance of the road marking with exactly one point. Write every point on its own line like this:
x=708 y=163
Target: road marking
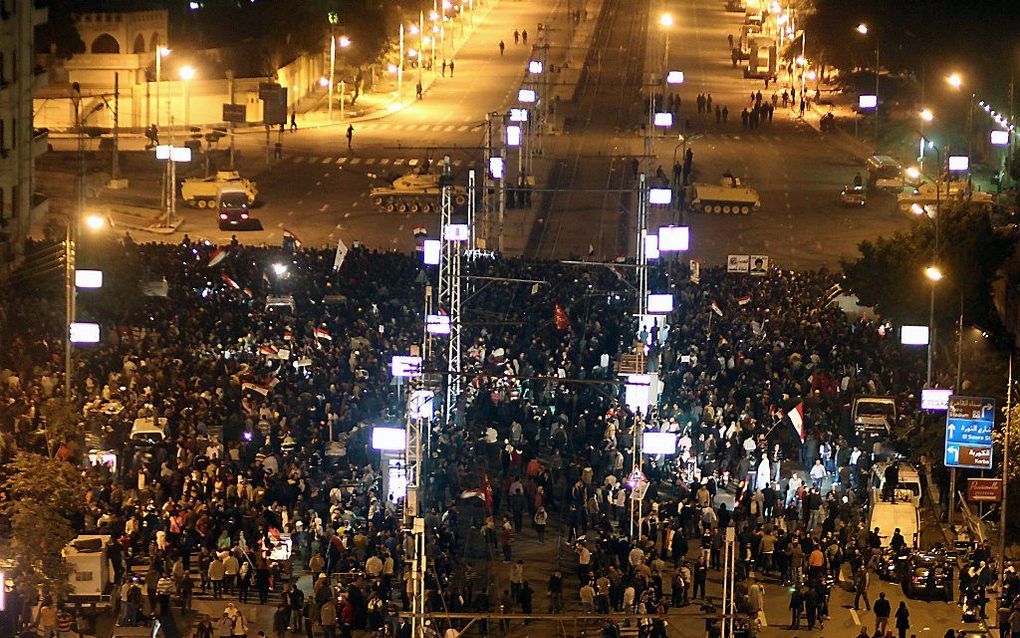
x=370 y=160
x=397 y=127
x=447 y=129
x=327 y=160
x=384 y=161
x=398 y=161
x=341 y=160
x=355 y=160
x=412 y=162
x=464 y=129
x=855 y=617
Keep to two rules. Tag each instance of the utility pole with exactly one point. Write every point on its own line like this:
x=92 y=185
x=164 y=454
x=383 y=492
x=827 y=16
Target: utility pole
x=400 y=66
x=1007 y=439
x=332 y=70
x=230 y=95
x=115 y=167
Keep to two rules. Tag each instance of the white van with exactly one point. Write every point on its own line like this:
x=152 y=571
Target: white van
x=148 y=431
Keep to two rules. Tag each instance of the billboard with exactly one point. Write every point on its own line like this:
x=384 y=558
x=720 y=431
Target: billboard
x=969 y=425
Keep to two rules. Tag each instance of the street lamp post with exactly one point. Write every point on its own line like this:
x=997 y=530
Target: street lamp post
x=863 y=30
x=187 y=73
x=400 y=65
x=332 y=72
x=666 y=21
x=934 y=275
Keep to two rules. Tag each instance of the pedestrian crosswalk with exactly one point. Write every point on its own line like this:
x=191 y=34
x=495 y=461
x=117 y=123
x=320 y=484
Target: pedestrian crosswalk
x=382 y=126
x=356 y=160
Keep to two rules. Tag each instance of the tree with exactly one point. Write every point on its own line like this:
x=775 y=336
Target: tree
x=44 y=495
x=889 y=274
x=59 y=33
x=62 y=423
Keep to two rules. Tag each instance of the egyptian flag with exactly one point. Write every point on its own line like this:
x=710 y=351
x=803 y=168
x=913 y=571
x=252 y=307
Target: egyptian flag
x=269 y=350
x=715 y=308
x=288 y=234
x=254 y=387
x=288 y=334
x=796 y=417
x=230 y=282
x=561 y=319
x=743 y=301
x=321 y=333
x=217 y=257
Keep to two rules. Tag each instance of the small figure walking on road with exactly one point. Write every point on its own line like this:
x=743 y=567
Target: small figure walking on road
x=417 y=90
x=293 y=121
x=744 y=115
x=444 y=68
x=517 y=36
x=502 y=46
x=451 y=68
x=718 y=114
x=730 y=38
x=524 y=36
x=708 y=103
x=350 y=136
x=278 y=150
x=803 y=105
x=725 y=114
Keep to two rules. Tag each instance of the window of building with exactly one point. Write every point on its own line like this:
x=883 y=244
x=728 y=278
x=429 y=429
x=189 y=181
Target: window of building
x=15 y=204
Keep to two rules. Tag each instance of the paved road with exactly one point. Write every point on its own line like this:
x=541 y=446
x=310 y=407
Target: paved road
x=319 y=189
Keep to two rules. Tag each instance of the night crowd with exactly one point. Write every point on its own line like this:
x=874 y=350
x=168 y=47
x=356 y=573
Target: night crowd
x=266 y=472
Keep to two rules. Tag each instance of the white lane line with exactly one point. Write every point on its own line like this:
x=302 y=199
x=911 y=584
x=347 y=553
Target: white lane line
x=370 y=160
x=397 y=127
x=327 y=160
x=355 y=160
x=398 y=161
x=463 y=129
x=855 y=617
x=412 y=162
x=450 y=128
x=341 y=160
x=384 y=160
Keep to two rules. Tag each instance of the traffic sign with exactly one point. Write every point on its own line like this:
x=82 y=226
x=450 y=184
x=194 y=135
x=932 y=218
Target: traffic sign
x=969 y=425
x=236 y=113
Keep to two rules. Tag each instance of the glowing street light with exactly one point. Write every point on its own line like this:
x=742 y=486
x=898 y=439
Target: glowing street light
x=323 y=82
x=933 y=273
x=917 y=209
x=862 y=29
x=344 y=41
x=955 y=80
x=95 y=222
x=913 y=173
x=666 y=20
x=926 y=115
x=187 y=72
x=279 y=269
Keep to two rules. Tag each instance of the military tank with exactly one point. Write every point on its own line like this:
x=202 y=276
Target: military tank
x=416 y=192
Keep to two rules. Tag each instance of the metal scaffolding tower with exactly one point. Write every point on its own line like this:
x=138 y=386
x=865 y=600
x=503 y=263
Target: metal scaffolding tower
x=452 y=236
x=642 y=253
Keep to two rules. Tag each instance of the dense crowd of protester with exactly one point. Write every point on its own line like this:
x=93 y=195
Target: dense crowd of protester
x=268 y=413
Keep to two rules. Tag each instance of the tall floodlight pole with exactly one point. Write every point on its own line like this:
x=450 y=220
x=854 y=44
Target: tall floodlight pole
x=449 y=290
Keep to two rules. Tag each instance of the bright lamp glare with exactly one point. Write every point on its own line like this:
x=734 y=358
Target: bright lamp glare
x=513 y=135
x=527 y=96
x=675 y=77
x=913 y=172
x=1000 y=138
x=927 y=115
x=88 y=278
x=187 y=72
x=535 y=66
x=664 y=120
x=660 y=196
x=660 y=303
x=955 y=80
x=496 y=167
x=95 y=222
x=658 y=443
x=862 y=29
x=279 y=269
x=84 y=332
x=674 y=238
x=389 y=439
x=914 y=335
x=933 y=273
x=430 y=250
x=917 y=209
x=959 y=163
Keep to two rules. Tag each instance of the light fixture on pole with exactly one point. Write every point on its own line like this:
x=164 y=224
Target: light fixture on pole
x=187 y=73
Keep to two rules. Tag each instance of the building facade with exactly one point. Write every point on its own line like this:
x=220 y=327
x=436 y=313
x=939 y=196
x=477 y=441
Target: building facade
x=20 y=144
